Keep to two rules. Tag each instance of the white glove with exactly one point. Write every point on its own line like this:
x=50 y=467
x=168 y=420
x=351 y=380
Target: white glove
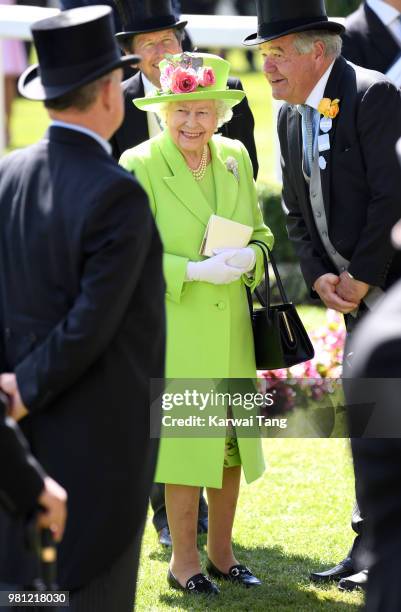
x=214 y=270
x=244 y=259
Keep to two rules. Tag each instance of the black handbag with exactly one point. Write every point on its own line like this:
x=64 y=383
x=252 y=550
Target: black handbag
x=280 y=338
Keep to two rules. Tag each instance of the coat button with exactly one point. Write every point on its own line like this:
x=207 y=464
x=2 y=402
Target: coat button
x=7 y=332
x=33 y=337
x=318 y=213
x=221 y=305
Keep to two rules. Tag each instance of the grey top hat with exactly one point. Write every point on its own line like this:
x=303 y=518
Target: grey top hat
x=74 y=48
x=140 y=16
x=281 y=17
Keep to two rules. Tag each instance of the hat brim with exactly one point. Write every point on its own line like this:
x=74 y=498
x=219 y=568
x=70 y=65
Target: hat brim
x=330 y=26
x=121 y=36
x=31 y=87
x=152 y=103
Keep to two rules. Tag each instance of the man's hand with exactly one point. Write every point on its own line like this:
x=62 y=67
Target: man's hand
x=17 y=410
x=326 y=286
x=351 y=289
x=53 y=500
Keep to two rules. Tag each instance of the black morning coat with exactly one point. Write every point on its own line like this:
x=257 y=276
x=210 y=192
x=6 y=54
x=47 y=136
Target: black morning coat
x=82 y=324
x=134 y=128
x=367 y=42
x=361 y=183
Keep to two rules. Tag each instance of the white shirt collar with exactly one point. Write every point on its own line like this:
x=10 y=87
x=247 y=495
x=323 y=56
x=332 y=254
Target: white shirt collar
x=147 y=85
x=386 y=13
x=80 y=128
x=317 y=92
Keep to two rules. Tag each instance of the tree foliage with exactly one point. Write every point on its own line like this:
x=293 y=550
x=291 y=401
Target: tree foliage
x=341 y=8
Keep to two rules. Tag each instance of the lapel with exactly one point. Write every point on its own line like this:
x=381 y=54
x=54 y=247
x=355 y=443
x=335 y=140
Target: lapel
x=181 y=183
x=333 y=90
x=225 y=182
x=294 y=131
x=381 y=38
x=136 y=121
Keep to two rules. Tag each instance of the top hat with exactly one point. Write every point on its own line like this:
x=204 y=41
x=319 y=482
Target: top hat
x=74 y=48
x=279 y=18
x=192 y=76
x=140 y=16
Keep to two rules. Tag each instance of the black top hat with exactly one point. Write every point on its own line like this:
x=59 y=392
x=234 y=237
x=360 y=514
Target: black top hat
x=280 y=17
x=74 y=48
x=139 y=16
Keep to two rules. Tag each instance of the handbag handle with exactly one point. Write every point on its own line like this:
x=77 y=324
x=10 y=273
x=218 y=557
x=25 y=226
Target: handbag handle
x=263 y=247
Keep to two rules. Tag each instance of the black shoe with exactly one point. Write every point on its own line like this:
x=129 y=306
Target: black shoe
x=237 y=573
x=197 y=585
x=354 y=582
x=164 y=536
x=344 y=569
x=203 y=525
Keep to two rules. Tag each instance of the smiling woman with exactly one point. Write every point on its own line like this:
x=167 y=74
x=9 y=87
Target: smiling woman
x=190 y=174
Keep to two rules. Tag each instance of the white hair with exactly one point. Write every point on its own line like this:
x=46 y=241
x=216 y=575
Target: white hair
x=304 y=42
x=224 y=112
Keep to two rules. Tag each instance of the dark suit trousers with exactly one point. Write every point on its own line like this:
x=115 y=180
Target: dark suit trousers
x=359 y=549
x=158 y=504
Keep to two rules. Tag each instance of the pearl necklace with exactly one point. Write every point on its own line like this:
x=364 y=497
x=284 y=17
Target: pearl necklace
x=200 y=171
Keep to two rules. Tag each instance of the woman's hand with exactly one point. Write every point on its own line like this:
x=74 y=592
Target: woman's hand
x=240 y=258
x=215 y=270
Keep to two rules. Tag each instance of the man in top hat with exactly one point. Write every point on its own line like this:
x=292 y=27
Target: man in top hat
x=341 y=181
x=24 y=486
x=372 y=36
x=151 y=29
x=377 y=348
x=79 y=257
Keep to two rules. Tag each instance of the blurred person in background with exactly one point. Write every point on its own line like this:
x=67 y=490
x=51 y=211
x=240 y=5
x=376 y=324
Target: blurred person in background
x=372 y=36
x=14 y=63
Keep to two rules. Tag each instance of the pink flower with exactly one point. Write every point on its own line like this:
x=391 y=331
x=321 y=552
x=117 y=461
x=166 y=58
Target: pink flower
x=206 y=77
x=165 y=77
x=183 y=81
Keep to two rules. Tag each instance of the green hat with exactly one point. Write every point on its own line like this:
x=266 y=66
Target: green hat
x=192 y=76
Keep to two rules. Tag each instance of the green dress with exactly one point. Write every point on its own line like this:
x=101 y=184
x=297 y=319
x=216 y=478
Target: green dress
x=209 y=333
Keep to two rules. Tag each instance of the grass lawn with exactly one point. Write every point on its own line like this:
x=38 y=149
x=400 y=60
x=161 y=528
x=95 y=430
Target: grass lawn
x=293 y=520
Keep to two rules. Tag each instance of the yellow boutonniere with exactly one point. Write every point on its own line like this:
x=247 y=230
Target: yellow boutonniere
x=329 y=108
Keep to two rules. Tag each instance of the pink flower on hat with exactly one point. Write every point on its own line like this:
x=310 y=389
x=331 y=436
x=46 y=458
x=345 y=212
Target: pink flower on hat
x=165 y=77
x=183 y=81
x=206 y=77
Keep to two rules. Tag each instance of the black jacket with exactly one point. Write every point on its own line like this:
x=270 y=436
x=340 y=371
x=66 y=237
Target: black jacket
x=361 y=183
x=82 y=326
x=368 y=42
x=134 y=128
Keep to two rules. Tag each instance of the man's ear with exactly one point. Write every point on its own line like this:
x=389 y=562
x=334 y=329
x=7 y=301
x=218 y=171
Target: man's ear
x=319 y=50
x=106 y=94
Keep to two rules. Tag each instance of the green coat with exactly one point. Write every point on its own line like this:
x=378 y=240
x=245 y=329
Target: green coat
x=209 y=332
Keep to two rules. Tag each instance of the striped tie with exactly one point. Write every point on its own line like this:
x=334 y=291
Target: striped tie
x=307 y=113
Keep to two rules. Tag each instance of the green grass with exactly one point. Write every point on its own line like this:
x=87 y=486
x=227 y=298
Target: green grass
x=293 y=520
